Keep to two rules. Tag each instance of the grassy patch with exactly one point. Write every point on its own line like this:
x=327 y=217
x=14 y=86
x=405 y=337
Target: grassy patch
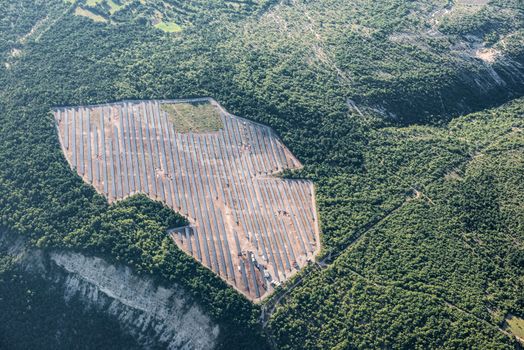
x=86 y=13
x=104 y=10
x=195 y=117
x=93 y=3
x=114 y=7
x=169 y=27
x=516 y=326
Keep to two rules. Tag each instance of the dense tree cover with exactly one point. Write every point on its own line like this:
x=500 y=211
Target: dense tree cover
x=454 y=247
x=399 y=161
x=17 y=20
x=298 y=67
x=389 y=56
x=339 y=310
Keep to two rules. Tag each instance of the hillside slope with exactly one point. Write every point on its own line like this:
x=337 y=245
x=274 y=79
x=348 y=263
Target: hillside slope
x=368 y=95
x=443 y=267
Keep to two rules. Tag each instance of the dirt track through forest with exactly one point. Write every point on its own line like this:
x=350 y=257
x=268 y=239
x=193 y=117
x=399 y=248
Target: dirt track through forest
x=331 y=256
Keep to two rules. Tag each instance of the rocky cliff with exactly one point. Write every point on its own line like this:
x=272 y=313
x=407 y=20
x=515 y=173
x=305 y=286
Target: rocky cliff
x=154 y=316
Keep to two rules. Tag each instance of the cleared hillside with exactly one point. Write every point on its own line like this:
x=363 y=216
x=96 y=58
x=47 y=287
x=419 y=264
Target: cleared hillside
x=251 y=228
x=373 y=98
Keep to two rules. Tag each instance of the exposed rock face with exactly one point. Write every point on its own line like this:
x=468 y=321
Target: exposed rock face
x=154 y=315
x=136 y=302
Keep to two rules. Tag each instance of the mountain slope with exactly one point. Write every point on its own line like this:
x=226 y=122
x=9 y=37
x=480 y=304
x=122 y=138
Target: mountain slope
x=368 y=95
x=443 y=269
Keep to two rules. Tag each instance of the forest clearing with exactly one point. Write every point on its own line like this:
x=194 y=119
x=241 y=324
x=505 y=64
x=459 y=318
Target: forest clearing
x=253 y=229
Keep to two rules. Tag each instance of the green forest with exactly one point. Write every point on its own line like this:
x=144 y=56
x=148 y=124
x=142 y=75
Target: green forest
x=414 y=141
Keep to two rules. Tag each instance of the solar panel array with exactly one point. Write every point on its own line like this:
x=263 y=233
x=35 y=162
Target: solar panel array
x=253 y=229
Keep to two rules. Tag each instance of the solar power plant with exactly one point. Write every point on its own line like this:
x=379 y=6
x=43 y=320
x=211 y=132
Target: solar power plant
x=250 y=227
